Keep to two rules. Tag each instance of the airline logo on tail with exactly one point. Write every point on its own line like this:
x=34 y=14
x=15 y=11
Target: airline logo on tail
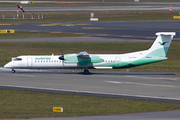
x=162 y=43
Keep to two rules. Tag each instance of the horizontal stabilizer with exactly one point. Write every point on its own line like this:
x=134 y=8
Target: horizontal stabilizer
x=166 y=33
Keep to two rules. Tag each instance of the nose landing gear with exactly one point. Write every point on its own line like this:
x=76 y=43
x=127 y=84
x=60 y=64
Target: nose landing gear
x=13 y=71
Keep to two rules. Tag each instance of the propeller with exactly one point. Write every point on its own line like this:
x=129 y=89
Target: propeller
x=62 y=57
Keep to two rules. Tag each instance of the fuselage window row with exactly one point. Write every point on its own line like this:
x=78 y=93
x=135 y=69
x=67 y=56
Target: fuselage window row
x=110 y=61
x=48 y=61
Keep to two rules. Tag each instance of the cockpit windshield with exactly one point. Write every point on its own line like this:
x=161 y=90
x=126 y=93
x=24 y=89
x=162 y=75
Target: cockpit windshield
x=17 y=59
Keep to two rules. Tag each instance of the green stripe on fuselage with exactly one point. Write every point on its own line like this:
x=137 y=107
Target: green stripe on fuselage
x=139 y=62
x=144 y=61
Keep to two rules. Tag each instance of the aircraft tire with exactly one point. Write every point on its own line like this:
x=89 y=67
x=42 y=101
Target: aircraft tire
x=86 y=72
x=13 y=71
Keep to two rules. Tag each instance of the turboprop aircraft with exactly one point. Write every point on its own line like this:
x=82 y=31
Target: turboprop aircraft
x=156 y=53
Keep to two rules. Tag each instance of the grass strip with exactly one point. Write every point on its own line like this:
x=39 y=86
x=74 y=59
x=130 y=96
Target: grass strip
x=19 y=104
x=8 y=50
x=84 y=16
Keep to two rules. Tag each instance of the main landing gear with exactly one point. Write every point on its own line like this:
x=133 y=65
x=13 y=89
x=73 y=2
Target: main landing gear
x=86 y=71
x=13 y=71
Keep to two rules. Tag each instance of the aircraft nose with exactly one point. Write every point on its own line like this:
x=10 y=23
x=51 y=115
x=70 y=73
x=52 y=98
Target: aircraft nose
x=8 y=65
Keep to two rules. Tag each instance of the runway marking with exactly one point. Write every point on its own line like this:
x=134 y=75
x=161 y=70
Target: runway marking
x=151 y=37
x=116 y=82
x=62 y=24
x=92 y=28
x=5 y=24
x=55 y=32
x=67 y=25
x=79 y=33
x=82 y=24
x=45 y=25
x=156 y=85
x=102 y=34
x=132 y=36
x=17 y=24
x=160 y=78
x=126 y=36
x=91 y=92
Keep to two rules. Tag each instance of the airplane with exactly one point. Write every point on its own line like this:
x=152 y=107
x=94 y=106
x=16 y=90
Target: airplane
x=156 y=53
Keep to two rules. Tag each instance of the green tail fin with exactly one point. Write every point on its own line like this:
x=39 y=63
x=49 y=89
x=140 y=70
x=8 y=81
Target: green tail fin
x=161 y=45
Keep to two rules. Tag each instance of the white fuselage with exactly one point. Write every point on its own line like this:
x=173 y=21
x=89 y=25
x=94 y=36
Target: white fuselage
x=109 y=61
x=37 y=62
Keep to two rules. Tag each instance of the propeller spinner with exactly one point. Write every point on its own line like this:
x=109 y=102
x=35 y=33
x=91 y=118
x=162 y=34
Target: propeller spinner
x=62 y=56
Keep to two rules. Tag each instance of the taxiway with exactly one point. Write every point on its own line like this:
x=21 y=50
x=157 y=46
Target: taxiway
x=93 y=8
x=133 y=85
x=133 y=30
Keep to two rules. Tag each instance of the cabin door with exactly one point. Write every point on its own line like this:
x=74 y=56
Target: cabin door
x=118 y=61
x=29 y=62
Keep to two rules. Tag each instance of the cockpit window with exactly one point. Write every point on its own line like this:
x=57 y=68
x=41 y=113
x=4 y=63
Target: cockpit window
x=17 y=59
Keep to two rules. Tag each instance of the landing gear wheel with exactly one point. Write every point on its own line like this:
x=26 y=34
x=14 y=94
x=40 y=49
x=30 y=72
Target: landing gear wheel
x=86 y=72
x=13 y=71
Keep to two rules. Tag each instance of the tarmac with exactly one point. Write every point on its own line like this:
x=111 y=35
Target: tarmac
x=130 y=85
x=133 y=85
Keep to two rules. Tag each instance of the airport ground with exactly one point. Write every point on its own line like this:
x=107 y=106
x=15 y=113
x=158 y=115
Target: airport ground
x=143 y=86
x=84 y=16
x=134 y=85
x=143 y=30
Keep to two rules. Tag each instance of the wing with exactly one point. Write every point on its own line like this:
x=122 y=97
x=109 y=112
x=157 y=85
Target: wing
x=84 y=58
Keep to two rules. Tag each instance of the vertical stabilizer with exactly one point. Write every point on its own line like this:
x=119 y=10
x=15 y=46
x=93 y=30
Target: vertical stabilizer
x=161 y=44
